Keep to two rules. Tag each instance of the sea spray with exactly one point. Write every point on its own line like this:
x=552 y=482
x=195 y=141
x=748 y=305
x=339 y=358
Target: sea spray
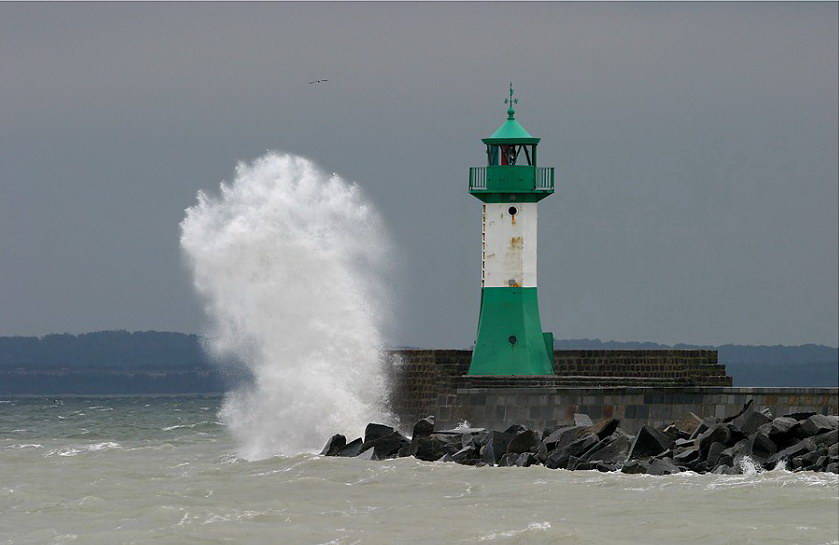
x=287 y=261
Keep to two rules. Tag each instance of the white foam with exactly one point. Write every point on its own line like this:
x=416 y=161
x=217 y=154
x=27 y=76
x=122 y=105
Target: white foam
x=288 y=262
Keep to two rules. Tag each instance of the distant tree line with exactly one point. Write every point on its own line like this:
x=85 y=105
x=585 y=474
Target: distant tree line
x=168 y=362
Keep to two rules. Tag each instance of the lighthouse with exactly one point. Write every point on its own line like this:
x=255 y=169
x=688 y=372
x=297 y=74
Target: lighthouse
x=510 y=340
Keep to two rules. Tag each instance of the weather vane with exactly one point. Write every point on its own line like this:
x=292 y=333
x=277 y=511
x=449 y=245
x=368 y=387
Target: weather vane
x=511 y=101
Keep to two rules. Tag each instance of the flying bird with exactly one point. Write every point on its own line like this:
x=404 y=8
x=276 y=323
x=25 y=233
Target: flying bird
x=318 y=81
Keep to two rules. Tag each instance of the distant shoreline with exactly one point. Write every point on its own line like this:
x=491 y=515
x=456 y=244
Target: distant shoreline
x=122 y=363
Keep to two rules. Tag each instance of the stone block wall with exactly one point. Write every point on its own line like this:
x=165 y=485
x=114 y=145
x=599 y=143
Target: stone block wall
x=637 y=386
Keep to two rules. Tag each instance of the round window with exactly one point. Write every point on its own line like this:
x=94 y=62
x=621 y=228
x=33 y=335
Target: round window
x=513 y=210
x=512 y=339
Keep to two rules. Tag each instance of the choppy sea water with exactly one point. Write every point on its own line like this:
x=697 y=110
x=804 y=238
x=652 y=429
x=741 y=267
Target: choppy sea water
x=142 y=470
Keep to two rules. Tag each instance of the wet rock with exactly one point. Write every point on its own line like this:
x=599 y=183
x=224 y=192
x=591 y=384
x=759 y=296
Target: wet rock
x=582 y=420
x=526 y=459
x=423 y=427
x=718 y=433
x=604 y=428
x=468 y=455
x=786 y=454
x=376 y=431
x=816 y=425
x=760 y=447
x=800 y=415
x=614 y=452
x=749 y=422
x=663 y=466
x=635 y=467
x=686 y=456
x=508 y=460
x=714 y=452
x=515 y=429
x=524 y=441
x=334 y=445
x=426 y=448
x=559 y=458
x=564 y=436
x=832 y=467
x=721 y=469
x=386 y=446
x=826 y=439
x=495 y=447
x=782 y=431
x=648 y=442
x=352 y=449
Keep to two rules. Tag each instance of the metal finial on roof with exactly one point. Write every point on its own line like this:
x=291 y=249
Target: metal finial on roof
x=511 y=113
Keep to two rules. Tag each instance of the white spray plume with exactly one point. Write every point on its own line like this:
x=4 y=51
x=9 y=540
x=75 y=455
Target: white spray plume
x=288 y=261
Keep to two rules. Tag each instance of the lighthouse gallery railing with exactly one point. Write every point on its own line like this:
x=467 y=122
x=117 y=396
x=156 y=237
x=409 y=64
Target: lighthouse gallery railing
x=543 y=181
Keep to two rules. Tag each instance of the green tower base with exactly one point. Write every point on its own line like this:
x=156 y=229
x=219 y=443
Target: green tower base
x=510 y=339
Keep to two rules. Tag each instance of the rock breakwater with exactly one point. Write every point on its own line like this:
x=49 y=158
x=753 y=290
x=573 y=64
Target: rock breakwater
x=751 y=440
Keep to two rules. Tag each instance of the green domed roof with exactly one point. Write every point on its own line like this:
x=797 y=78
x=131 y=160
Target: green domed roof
x=511 y=131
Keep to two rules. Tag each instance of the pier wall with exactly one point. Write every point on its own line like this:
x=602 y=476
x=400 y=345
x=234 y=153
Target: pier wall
x=637 y=386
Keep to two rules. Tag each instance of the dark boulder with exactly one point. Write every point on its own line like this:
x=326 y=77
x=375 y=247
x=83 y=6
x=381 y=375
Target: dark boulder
x=563 y=436
x=385 y=446
x=782 y=431
x=559 y=458
x=495 y=447
x=334 y=445
x=375 y=431
x=648 y=442
x=635 y=467
x=515 y=429
x=749 y=422
x=581 y=445
x=801 y=416
x=352 y=449
x=468 y=455
x=714 y=452
x=816 y=425
x=424 y=427
x=760 y=447
x=686 y=456
x=826 y=439
x=524 y=441
x=663 y=466
x=526 y=459
x=508 y=460
x=718 y=433
x=604 y=428
x=614 y=452
x=427 y=448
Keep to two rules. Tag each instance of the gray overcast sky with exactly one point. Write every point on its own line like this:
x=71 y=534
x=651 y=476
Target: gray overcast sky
x=696 y=145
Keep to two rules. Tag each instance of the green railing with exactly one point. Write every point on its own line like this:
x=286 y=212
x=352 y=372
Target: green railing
x=543 y=179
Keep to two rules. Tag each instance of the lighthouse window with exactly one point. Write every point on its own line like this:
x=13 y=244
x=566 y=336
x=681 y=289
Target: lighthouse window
x=512 y=339
x=513 y=210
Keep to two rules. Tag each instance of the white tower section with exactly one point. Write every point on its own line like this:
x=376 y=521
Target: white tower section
x=508 y=257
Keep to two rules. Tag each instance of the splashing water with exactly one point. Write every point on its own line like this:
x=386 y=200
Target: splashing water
x=287 y=261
